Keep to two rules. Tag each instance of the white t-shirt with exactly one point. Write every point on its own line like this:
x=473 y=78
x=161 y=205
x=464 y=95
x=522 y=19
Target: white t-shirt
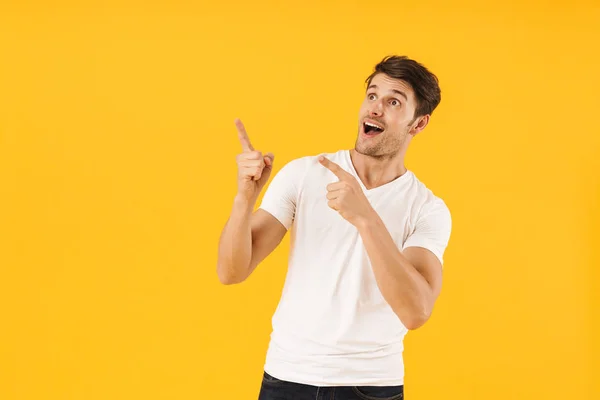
x=332 y=326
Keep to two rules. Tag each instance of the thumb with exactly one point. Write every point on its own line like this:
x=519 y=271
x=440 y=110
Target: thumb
x=269 y=158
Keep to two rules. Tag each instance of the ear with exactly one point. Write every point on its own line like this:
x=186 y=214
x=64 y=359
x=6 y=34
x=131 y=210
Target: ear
x=421 y=123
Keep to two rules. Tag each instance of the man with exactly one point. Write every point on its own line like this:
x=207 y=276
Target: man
x=367 y=240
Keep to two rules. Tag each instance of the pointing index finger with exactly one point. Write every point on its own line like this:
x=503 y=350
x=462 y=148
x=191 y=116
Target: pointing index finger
x=335 y=168
x=243 y=136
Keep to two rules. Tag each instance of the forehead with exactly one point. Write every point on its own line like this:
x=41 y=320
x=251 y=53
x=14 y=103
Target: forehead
x=386 y=84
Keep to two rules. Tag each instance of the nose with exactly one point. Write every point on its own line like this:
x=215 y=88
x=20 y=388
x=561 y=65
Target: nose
x=376 y=110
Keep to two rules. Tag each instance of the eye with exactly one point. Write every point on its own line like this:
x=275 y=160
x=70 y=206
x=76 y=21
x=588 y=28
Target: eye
x=394 y=102
x=371 y=96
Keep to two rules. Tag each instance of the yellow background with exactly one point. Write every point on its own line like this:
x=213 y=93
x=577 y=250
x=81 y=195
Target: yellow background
x=117 y=171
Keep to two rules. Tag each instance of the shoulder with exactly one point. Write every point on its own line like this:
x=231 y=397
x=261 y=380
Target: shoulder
x=295 y=168
x=429 y=204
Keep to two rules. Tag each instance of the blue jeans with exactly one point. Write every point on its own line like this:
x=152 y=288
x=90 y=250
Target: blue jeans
x=276 y=389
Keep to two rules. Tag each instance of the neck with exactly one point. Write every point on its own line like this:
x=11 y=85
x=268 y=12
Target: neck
x=374 y=172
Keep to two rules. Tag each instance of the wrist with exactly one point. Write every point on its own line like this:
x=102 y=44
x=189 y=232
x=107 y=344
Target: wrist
x=367 y=221
x=241 y=202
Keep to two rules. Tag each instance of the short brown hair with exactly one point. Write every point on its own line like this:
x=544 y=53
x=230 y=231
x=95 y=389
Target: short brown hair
x=423 y=82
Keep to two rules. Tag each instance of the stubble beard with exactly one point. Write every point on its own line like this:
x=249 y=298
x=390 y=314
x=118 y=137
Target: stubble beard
x=387 y=147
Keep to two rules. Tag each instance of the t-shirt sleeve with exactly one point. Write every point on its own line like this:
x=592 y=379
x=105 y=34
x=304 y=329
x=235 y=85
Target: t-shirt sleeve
x=280 y=198
x=432 y=230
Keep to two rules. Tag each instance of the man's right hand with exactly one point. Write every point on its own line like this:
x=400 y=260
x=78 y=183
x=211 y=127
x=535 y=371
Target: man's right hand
x=254 y=167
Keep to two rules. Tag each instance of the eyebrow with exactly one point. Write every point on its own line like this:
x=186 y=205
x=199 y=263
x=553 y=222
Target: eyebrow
x=393 y=90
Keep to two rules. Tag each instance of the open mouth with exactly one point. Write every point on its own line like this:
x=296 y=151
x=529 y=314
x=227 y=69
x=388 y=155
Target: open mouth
x=371 y=128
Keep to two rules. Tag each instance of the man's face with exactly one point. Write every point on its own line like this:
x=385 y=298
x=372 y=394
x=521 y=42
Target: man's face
x=389 y=105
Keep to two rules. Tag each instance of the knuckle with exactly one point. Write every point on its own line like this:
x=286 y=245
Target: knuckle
x=251 y=163
x=246 y=172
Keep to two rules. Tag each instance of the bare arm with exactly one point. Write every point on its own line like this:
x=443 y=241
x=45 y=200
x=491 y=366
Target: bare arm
x=410 y=281
x=247 y=239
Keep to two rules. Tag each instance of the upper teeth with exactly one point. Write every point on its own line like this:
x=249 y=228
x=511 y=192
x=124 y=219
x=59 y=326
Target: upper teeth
x=373 y=125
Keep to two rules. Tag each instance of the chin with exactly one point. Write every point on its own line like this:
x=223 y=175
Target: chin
x=367 y=151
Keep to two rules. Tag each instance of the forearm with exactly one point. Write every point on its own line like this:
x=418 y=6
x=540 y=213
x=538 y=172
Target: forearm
x=235 y=244
x=402 y=286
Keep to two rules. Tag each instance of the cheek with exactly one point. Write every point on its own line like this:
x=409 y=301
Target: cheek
x=395 y=124
x=363 y=109
x=400 y=121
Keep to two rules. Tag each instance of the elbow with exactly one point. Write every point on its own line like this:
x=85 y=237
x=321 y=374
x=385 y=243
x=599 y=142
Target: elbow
x=414 y=323
x=415 y=320
x=228 y=278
